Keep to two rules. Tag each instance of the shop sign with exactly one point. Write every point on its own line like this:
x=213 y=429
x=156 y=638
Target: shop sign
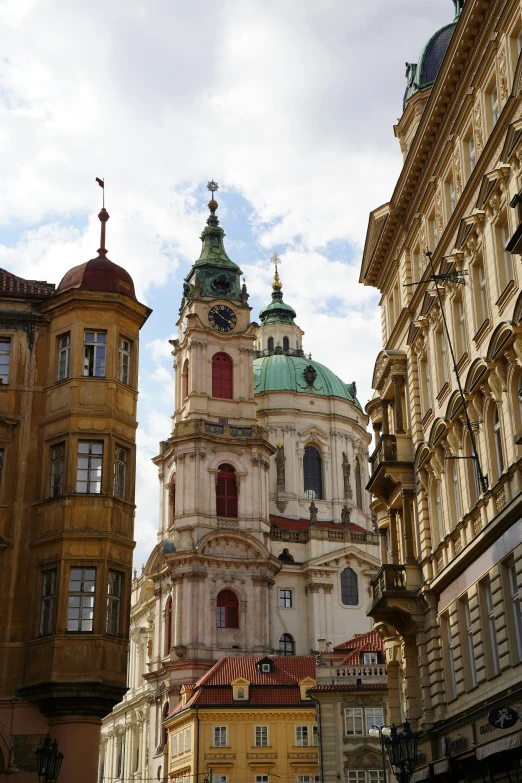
x=501 y=718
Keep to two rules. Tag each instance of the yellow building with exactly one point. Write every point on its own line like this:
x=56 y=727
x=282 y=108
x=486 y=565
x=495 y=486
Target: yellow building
x=446 y=469
x=246 y=721
x=68 y=395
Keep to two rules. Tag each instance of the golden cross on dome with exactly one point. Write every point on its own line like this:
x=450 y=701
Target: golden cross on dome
x=276 y=261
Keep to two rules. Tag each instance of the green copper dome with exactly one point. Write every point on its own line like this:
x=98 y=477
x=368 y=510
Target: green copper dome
x=284 y=372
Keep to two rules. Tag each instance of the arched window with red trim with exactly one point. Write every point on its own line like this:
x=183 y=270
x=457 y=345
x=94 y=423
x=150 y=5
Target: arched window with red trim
x=222 y=372
x=168 y=625
x=226 y=492
x=185 y=380
x=172 y=499
x=227 y=610
x=164 y=729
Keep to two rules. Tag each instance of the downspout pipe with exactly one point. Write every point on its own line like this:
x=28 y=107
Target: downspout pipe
x=318 y=705
x=196 y=780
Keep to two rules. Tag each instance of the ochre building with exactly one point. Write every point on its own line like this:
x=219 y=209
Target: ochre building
x=246 y=719
x=68 y=392
x=446 y=470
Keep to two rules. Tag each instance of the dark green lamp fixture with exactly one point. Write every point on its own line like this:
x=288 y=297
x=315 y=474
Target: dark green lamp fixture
x=48 y=761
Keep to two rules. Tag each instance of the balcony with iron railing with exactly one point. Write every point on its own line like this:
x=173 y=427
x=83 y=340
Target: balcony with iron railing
x=393 y=455
x=393 y=582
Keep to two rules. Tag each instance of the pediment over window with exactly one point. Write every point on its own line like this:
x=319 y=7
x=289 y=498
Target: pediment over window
x=454 y=406
x=314 y=433
x=437 y=431
x=493 y=189
x=476 y=373
x=466 y=227
x=499 y=340
x=421 y=456
x=512 y=142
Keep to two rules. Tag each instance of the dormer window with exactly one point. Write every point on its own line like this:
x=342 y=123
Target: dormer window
x=265 y=666
x=368 y=659
x=240 y=688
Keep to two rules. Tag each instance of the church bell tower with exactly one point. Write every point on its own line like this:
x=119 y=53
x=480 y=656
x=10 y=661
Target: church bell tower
x=215 y=530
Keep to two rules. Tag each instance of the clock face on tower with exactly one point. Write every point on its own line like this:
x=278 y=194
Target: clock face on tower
x=222 y=318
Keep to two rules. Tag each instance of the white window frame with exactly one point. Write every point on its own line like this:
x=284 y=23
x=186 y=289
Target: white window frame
x=220 y=733
x=356 y=715
x=95 y=354
x=219 y=779
x=81 y=600
x=121 y=463
x=516 y=606
x=472 y=153
x=373 y=716
x=57 y=469
x=48 y=602
x=356 y=775
x=261 y=736
x=373 y=656
x=64 y=354
x=5 y=351
x=495 y=109
x=174 y=745
x=188 y=738
x=114 y=599
x=302 y=736
x=92 y=456
x=124 y=360
x=470 y=644
x=492 y=631
x=262 y=779
x=456 y=490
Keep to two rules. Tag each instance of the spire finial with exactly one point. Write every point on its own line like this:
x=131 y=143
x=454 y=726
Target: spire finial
x=276 y=285
x=212 y=186
x=103 y=216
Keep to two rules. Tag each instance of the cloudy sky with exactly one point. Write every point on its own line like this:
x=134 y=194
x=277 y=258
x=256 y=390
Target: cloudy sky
x=288 y=104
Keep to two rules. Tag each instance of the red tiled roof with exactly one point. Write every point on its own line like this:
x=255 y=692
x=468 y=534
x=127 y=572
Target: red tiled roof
x=11 y=285
x=280 y=687
x=304 y=524
x=288 y=671
x=371 y=641
x=373 y=686
x=260 y=695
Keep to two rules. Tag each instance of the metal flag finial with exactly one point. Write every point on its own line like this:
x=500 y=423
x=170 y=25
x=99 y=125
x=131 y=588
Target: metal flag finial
x=101 y=183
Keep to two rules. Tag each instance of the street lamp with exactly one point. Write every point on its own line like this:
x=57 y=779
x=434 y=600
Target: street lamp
x=48 y=761
x=402 y=751
x=381 y=732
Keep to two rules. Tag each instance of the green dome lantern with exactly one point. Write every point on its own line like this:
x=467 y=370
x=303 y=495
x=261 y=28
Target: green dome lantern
x=277 y=312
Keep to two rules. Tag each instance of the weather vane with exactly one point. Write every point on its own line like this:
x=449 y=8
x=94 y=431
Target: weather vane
x=212 y=186
x=101 y=183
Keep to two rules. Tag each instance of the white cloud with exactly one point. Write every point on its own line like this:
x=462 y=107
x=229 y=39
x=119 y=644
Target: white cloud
x=289 y=102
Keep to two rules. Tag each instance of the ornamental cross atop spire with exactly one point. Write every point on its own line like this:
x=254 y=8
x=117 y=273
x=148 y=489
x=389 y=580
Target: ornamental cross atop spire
x=212 y=186
x=276 y=261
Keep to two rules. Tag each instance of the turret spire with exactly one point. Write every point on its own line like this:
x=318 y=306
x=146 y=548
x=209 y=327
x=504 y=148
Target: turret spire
x=276 y=285
x=103 y=216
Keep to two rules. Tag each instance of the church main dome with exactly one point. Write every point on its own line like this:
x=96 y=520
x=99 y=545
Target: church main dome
x=286 y=372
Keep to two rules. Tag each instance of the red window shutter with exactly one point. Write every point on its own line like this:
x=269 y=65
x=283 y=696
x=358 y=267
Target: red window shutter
x=226 y=492
x=222 y=372
x=185 y=379
x=227 y=610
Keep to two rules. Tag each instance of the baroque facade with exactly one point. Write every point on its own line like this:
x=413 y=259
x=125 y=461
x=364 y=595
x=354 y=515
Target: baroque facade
x=446 y=470
x=68 y=394
x=265 y=541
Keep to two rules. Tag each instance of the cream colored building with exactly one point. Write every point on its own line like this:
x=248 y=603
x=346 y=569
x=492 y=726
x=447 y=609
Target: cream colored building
x=265 y=541
x=447 y=599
